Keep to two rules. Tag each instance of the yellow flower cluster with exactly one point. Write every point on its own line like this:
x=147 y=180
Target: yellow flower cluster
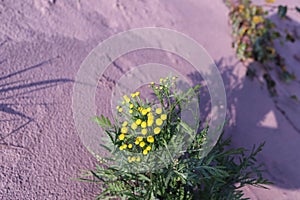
x=143 y=122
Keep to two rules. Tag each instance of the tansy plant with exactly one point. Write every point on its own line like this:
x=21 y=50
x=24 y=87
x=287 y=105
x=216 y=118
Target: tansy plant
x=158 y=156
x=254 y=36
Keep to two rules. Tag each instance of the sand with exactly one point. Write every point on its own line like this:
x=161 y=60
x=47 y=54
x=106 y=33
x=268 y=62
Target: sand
x=43 y=44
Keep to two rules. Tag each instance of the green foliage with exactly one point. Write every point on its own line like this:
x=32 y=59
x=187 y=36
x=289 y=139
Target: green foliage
x=254 y=36
x=220 y=175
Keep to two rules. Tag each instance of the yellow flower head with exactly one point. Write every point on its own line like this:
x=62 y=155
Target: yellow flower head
x=257 y=19
x=130 y=111
x=120 y=109
x=144 y=112
x=129 y=146
x=270 y=1
x=142 y=144
x=136 y=142
x=126 y=98
x=144 y=124
x=158 y=111
x=150 y=139
x=150 y=122
x=148 y=109
x=138 y=159
x=137 y=94
x=157 y=130
x=138 y=121
x=144 y=131
x=159 y=122
x=145 y=152
x=163 y=116
x=139 y=138
x=122 y=136
x=133 y=95
x=124 y=130
x=131 y=106
x=125 y=123
x=134 y=126
x=148 y=148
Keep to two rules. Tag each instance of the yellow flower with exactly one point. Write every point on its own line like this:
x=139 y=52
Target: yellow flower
x=139 y=138
x=121 y=148
x=129 y=146
x=138 y=159
x=138 y=121
x=145 y=152
x=122 y=136
x=133 y=159
x=159 y=122
x=136 y=142
x=137 y=93
x=158 y=111
x=257 y=19
x=120 y=109
x=148 y=148
x=150 y=122
x=124 y=130
x=144 y=111
x=131 y=106
x=144 y=131
x=148 y=109
x=161 y=80
x=160 y=87
x=163 y=116
x=150 y=139
x=124 y=146
x=152 y=83
x=123 y=102
x=142 y=144
x=130 y=111
x=143 y=124
x=270 y=1
x=174 y=77
x=157 y=130
x=125 y=123
x=134 y=126
x=129 y=159
x=126 y=98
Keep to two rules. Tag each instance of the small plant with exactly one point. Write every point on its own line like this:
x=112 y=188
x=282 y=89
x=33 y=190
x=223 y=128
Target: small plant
x=254 y=36
x=158 y=155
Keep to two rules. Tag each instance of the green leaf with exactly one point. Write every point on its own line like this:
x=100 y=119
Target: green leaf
x=282 y=10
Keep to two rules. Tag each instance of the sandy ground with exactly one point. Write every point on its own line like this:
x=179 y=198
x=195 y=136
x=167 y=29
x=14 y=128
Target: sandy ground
x=42 y=45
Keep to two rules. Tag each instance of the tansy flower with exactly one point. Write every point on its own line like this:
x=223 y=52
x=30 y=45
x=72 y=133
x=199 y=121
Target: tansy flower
x=148 y=148
x=126 y=98
x=257 y=19
x=133 y=159
x=152 y=83
x=143 y=124
x=129 y=146
x=139 y=138
x=122 y=136
x=144 y=131
x=142 y=144
x=137 y=93
x=145 y=152
x=130 y=111
x=158 y=111
x=148 y=109
x=270 y=1
x=134 y=126
x=144 y=112
x=159 y=122
x=150 y=139
x=138 y=121
x=123 y=102
x=138 y=159
x=163 y=116
x=120 y=109
x=131 y=106
x=150 y=122
x=133 y=95
x=125 y=123
x=136 y=142
x=160 y=87
x=157 y=130
x=124 y=130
